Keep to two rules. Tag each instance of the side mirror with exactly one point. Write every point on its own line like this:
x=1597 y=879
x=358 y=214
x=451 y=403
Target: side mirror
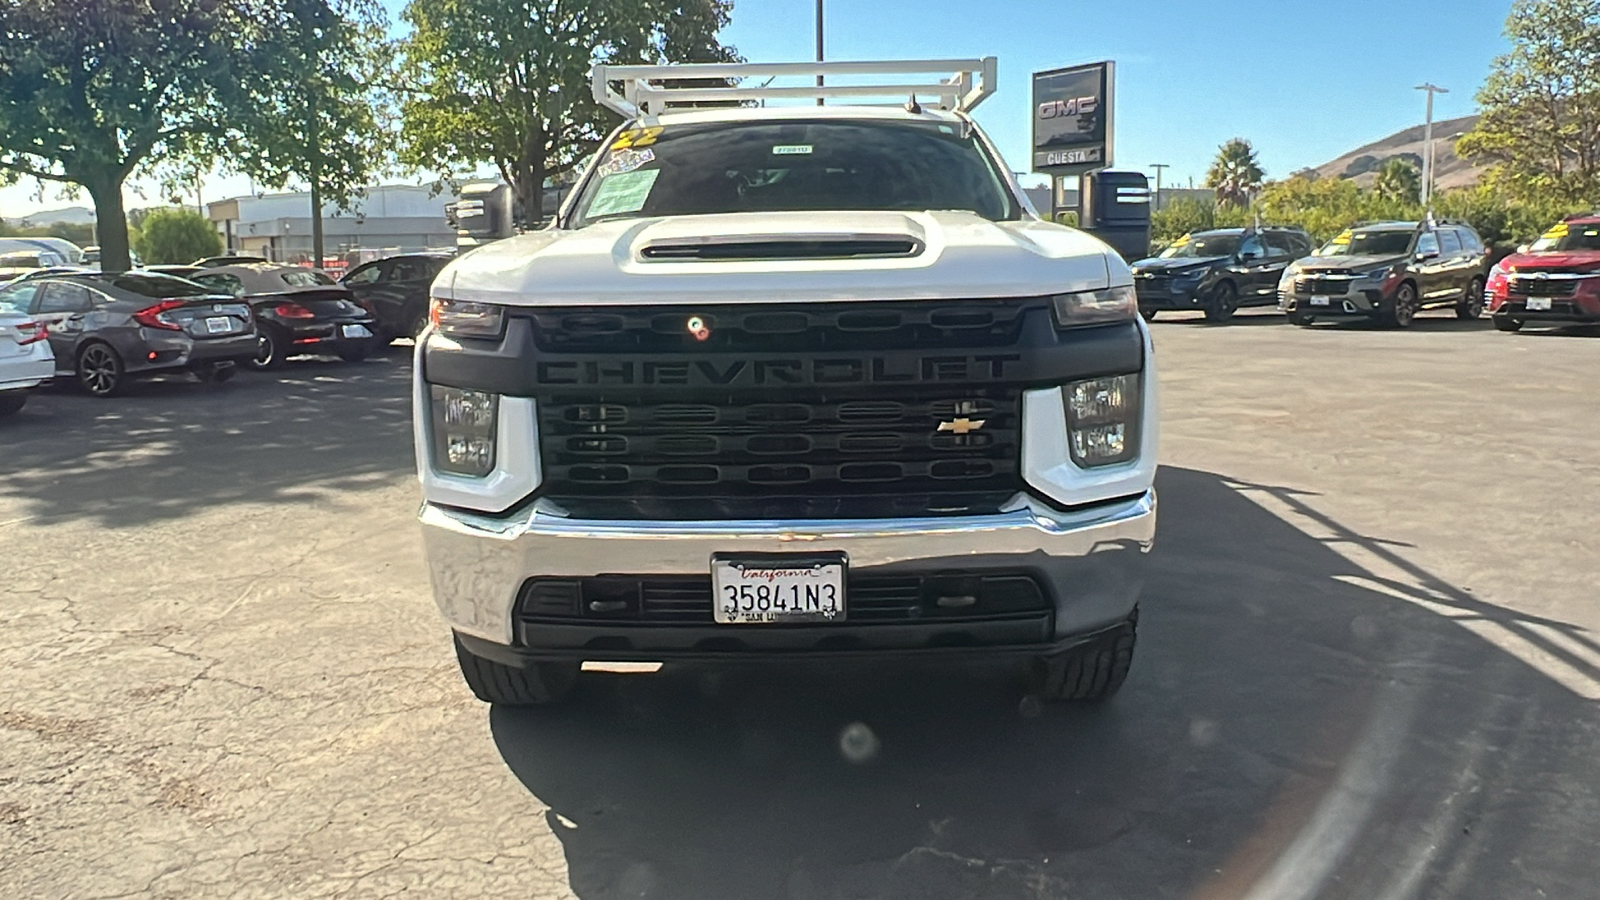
x=1425 y=255
x=1249 y=255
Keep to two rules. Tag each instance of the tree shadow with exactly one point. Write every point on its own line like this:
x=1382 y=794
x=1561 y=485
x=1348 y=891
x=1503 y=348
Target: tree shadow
x=171 y=446
x=1292 y=728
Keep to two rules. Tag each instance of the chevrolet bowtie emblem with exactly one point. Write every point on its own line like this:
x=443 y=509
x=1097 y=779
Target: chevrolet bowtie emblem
x=962 y=425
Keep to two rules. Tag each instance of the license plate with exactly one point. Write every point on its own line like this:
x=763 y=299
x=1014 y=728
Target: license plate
x=758 y=590
x=1319 y=300
x=1536 y=304
x=354 y=331
x=218 y=324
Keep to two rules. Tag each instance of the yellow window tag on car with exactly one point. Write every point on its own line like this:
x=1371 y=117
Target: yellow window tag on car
x=1343 y=237
x=637 y=137
x=1182 y=241
x=1557 y=231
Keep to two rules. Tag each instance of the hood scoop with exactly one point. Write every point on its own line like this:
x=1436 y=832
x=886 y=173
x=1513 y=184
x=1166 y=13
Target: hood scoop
x=783 y=247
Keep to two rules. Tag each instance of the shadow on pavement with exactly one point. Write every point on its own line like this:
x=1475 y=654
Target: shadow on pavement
x=171 y=446
x=1285 y=733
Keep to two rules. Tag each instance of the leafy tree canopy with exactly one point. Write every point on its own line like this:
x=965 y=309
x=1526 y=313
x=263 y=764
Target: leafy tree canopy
x=176 y=236
x=1235 y=174
x=506 y=82
x=1399 y=180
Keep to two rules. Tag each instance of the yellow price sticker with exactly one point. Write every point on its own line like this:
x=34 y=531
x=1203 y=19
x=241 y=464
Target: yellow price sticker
x=637 y=137
x=1182 y=241
x=1343 y=237
x=1556 y=232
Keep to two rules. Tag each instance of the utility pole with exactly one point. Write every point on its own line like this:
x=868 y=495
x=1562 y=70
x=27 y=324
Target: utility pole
x=819 y=45
x=1158 y=167
x=315 y=146
x=1427 y=143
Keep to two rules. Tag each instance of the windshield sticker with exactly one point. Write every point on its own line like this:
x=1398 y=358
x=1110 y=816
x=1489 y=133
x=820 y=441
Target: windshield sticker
x=637 y=137
x=624 y=192
x=792 y=150
x=1182 y=241
x=1342 y=238
x=1558 y=231
x=624 y=161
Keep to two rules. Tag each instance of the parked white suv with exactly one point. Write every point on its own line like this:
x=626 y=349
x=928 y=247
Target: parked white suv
x=788 y=382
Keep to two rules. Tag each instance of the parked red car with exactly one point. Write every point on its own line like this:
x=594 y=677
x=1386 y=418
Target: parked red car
x=1557 y=280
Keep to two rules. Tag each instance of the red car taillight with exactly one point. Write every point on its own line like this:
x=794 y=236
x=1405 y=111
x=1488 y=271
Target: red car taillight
x=293 y=311
x=154 y=316
x=32 y=332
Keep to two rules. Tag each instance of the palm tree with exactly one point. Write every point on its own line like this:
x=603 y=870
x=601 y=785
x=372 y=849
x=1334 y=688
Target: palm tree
x=1399 y=180
x=1236 y=174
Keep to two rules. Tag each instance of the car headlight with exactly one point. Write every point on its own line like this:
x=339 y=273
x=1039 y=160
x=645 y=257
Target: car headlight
x=1103 y=420
x=1112 y=304
x=461 y=318
x=463 y=430
x=1378 y=273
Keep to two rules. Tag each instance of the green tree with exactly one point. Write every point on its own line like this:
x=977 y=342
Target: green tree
x=1235 y=174
x=1540 y=127
x=177 y=236
x=1181 y=217
x=1399 y=180
x=506 y=82
x=94 y=91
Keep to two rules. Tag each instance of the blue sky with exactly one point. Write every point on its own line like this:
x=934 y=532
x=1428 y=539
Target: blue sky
x=1304 y=82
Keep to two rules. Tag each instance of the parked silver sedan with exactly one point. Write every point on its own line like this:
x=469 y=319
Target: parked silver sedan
x=106 y=328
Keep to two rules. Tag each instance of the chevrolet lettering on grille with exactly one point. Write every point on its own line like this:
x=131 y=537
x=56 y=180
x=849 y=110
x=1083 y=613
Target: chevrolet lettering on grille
x=746 y=372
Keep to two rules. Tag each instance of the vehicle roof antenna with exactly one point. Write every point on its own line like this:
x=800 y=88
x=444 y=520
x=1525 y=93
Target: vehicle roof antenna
x=913 y=107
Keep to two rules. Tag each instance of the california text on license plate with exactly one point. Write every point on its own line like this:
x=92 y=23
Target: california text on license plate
x=1319 y=301
x=753 y=589
x=218 y=324
x=1535 y=304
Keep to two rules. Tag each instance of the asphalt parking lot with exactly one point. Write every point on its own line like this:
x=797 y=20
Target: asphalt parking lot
x=1368 y=666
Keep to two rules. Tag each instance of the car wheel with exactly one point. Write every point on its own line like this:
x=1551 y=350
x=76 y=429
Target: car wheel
x=354 y=355
x=1091 y=672
x=1404 y=310
x=1503 y=324
x=269 y=350
x=215 y=373
x=421 y=322
x=538 y=684
x=1471 y=306
x=12 y=403
x=1300 y=318
x=1149 y=314
x=1223 y=302
x=99 y=370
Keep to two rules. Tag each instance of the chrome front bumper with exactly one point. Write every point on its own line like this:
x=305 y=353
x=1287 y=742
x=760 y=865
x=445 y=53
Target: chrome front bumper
x=1092 y=558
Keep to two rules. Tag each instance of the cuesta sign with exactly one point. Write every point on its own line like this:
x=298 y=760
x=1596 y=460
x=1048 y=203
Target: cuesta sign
x=1072 y=119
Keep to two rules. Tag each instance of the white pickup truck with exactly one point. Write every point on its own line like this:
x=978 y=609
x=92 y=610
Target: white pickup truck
x=801 y=383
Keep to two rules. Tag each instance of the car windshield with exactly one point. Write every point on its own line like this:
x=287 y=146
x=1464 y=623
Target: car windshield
x=304 y=278
x=1569 y=236
x=164 y=286
x=1202 y=245
x=794 y=166
x=1388 y=242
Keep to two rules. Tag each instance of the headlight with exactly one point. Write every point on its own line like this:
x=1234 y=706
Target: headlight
x=1114 y=304
x=460 y=318
x=1378 y=273
x=463 y=430
x=1103 y=420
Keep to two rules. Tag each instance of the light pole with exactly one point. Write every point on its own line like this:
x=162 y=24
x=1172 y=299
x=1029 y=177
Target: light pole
x=819 y=45
x=1158 y=167
x=1427 y=142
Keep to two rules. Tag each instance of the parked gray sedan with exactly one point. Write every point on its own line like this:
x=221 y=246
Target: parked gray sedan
x=105 y=328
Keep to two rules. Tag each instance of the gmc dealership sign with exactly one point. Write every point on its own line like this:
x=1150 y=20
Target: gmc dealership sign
x=1072 y=119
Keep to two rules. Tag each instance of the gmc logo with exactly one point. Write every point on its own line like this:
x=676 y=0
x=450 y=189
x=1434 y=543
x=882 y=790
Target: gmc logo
x=765 y=372
x=1075 y=106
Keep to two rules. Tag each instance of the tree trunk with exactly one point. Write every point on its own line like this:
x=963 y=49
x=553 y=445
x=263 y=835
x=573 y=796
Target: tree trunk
x=110 y=220
x=316 y=181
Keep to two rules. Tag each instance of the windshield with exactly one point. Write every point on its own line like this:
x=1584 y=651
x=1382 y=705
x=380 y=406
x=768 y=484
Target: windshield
x=305 y=278
x=1567 y=236
x=793 y=166
x=1367 y=243
x=1200 y=245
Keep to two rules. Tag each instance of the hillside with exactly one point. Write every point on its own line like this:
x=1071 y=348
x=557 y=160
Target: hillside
x=1450 y=170
x=73 y=215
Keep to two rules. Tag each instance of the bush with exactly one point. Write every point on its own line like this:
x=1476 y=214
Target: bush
x=176 y=236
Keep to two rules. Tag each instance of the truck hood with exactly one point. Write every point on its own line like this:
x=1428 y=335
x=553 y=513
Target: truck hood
x=788 y=256
x=1155 y=265
x=1556 y=261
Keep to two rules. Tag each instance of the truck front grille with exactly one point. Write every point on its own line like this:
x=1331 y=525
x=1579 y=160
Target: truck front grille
x=809 y=453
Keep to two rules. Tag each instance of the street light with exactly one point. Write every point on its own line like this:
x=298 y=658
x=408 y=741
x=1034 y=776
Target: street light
x=1158 y=167
x=819 y=45
x=1427 y=142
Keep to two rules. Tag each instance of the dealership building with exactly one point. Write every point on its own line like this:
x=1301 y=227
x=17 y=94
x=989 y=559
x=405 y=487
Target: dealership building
x=394 y=218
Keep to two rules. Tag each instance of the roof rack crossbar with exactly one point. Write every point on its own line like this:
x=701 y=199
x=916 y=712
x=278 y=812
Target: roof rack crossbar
x=967 y=83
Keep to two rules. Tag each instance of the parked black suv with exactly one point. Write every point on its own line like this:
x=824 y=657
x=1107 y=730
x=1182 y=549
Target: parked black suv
x=1389 y=271
x=1218 y=271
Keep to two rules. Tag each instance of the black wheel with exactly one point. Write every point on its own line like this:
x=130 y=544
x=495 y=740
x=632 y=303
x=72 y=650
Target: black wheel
x=12 y=402
x=1091 y=672
x=421 y=322
x=99 y=370
x=1299 y=318
x=538 y=684
x=1503 y=324
x=215 y=373
x=1149 y=314
x=1223 y=302
x=270 y=348
x=353 y=355
x=1404 y=310
x=1471 y=306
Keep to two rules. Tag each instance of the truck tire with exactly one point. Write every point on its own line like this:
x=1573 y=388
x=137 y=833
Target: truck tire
x=1090 y=672
x=536 y=685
